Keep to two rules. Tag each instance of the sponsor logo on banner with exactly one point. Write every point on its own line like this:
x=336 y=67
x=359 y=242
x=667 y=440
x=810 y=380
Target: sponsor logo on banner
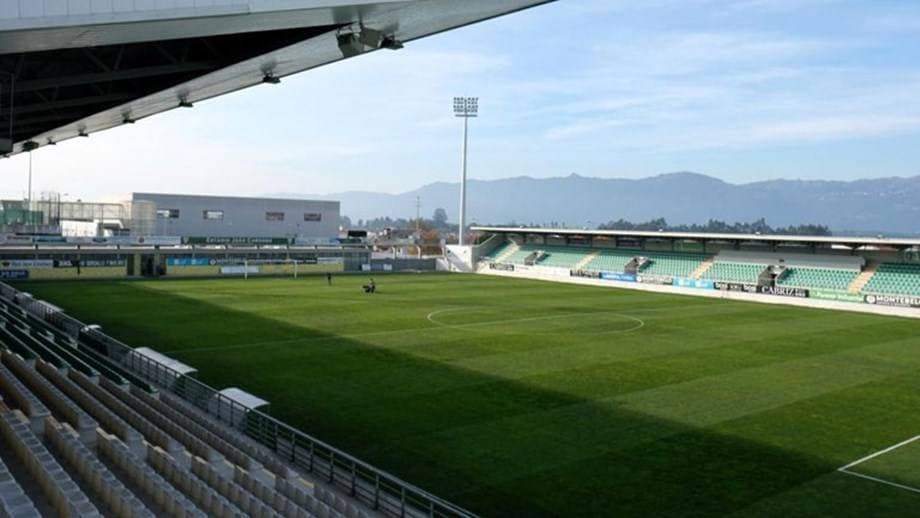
x=655 y=279
x=736 y=286
x=27 y=263
x=16 y=240
x=783 y=291
x=89 y=263
x=189 y=261
x=622 y=277
x=14 y=274
x=590 y=274
x=238 y=270
x=901 y=301
x=694 y=283
x=502 y=267
x=840 y=296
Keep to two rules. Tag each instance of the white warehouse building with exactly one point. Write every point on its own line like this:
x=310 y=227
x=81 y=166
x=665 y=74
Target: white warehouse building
x=213 y=218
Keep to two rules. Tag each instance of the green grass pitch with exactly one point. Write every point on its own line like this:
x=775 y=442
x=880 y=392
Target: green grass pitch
x=525 y=398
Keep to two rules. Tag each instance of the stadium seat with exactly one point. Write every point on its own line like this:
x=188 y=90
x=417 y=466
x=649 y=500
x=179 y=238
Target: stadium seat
x=818 y=278
x=734 y=272
x=895 y=278
x=60 y=405
x=672 y=264
x=17 y=396
x=13 y=500
x=60 y=491
x=104 y=484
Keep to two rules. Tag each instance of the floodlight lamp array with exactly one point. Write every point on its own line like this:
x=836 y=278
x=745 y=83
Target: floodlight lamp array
x=466 y=106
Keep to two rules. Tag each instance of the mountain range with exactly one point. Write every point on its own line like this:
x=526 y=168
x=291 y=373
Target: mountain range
x=884 y=205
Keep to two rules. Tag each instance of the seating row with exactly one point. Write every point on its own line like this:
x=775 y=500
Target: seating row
x=212 y=440
x=57 y=402
x=204 y=496
x=105 y=417
x=20 y=397
x=106 y=486
x=168 y=498
x=150 y=431
x=194 y=445
x=61 y=492
x=13 y=500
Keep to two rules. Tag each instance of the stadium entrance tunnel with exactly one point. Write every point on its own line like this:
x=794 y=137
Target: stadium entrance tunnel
x=498 y=446
x=49 y=89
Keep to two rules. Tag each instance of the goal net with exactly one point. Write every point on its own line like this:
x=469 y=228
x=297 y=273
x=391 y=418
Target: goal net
x=264 y=267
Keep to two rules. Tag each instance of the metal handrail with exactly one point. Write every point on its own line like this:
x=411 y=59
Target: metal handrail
x=379 y=490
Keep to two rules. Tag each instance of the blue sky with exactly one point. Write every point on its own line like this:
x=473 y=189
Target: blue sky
x=741 y=90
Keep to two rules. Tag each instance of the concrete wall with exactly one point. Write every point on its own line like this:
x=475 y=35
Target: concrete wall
x=243 y=217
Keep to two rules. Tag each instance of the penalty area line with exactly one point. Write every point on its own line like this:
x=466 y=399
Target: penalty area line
x=879 y=480
x=880 y=452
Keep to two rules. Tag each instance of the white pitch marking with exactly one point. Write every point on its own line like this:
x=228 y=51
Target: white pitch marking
x=880 y=480
x=431 y=319
x=880 y=452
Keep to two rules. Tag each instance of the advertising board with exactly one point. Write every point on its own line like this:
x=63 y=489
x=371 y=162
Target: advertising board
x=901 y=301
x=693 y=283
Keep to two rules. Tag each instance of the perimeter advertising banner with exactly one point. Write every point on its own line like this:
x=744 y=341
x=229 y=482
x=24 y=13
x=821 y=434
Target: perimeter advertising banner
x=27 y=263
x=189 y=261
x=694 y=283
x=622 y=277
x=736 y=286
x=502 y=267
x=783 y=291
x=901 y=301
x=14 y=274
x=655 y=279
x=590 y=274
x=838 y=296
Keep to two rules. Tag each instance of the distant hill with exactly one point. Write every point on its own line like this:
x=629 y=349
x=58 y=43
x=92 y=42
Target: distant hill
x=887 y=205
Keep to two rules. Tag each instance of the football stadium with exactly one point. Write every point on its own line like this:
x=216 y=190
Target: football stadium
x=221 y=356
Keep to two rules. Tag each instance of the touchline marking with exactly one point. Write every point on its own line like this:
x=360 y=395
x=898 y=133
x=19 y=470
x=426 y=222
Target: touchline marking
x=880 y=452
x=879 y=480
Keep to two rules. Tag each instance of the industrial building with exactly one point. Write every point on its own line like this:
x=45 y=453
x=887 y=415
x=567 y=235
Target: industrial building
x=221 y=219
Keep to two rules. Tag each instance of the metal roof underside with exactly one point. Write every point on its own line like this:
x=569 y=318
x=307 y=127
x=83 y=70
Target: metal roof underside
x=64 y=81
x=848 y=241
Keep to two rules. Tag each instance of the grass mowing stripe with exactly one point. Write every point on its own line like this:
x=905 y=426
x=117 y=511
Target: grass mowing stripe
x=714 y=407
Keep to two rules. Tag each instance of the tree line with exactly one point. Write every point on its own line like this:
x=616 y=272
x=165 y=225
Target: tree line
x=715 y=226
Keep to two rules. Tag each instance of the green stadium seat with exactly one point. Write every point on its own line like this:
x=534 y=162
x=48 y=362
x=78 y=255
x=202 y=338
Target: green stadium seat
x=895 y=278
x=734 y=272
x=818 y=278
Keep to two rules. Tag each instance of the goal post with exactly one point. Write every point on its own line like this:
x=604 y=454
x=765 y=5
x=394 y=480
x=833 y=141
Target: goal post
x=270 y=267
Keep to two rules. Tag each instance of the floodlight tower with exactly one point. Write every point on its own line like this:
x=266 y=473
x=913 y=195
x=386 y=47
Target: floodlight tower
x=466 y=108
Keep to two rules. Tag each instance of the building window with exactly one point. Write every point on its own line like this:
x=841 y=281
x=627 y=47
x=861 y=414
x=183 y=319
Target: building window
x=214 y=214
x=312 y=216
x=274 y=216
x=167 y=213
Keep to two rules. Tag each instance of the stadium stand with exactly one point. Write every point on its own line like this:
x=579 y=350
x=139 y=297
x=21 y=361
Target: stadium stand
x=672 y=264
x=92 y=442
x=895 y=278
x=497 y=252
x=611 y=260
x=823 y=278
x=734 y=272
